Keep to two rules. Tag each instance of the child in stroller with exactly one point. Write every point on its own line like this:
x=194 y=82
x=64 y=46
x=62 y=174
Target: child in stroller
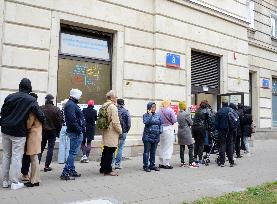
x=211 y=147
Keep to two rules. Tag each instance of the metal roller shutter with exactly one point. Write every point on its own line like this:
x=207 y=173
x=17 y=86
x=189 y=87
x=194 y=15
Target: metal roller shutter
x=205 y=70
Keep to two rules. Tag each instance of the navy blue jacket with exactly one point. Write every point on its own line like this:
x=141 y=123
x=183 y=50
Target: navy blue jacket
x=152 y=129
x=222 y=119
x=74 y=117
x=125 y=119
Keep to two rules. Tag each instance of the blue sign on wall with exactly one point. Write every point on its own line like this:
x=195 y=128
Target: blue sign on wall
x=172 y=60
x=265 y=83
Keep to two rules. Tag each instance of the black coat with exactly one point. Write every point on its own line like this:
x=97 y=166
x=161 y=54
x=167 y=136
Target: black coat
x=15 y=112
x=90 y=115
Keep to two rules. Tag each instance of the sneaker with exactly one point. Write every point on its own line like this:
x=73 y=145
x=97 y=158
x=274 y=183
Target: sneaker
x=183 y=164
x=25 y=178
x=83 y=159
x=86 y=161
x=222 y=165
x=146 y=169
x=29 y=184
x=233 y=164
x=66 y=177
x=74 y=174
x=193 y=165
x=168 y=167
x=47 y=169
x=161 y=166
x=117 y=167
x=5 y=184
x=17 y=185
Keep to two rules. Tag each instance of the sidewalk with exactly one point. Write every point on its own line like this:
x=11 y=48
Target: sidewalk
x=136 y=186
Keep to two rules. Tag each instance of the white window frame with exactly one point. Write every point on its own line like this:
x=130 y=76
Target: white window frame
x=273 y=22
x=251 y=13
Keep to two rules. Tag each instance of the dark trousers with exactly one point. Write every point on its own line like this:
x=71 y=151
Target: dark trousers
x=50 y=137
x=226 y=145
x=106 y=159
x=149 y=154
x=198 y=134
x=182 y=152
x=236 y=142
x=26 y=161
x=86 y=147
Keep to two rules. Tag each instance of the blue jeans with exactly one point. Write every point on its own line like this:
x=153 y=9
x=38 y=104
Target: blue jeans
x=75 y=144
x=121 y=143
x=149 y=154
x=64 y=146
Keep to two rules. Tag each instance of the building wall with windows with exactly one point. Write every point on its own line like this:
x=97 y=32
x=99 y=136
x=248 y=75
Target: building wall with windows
x=263 y=61
x=142 y=33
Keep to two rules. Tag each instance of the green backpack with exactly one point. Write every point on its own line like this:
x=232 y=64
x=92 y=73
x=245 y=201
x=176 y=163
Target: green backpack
x=103 y=118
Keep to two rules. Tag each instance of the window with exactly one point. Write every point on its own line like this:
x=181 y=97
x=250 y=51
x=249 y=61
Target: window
x=250 y=13
x=274 y=25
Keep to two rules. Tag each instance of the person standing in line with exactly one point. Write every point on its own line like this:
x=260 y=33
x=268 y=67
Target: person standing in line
x=167 y=137
x=125 y=122
x=64 y=141
x=90 y=115
x=75 y=123
x=51 y=129
x=199 y=130
x=151 y=137
x=225 y=136
x=239 y=141
x=184 y=135
x=33 y=148
x=110 y=134
x=14 y=115
x=247 y=130
x=234 y=131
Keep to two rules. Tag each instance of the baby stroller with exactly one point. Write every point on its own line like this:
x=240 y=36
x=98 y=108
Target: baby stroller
x=212 y=147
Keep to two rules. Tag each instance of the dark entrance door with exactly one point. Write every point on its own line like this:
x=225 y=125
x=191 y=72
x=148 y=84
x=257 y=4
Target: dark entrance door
x=235 y=98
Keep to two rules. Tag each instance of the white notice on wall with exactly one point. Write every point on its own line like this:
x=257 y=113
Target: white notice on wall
x=84 y=46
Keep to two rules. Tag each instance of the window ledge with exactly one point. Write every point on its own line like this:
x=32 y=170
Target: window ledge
x=252 y=30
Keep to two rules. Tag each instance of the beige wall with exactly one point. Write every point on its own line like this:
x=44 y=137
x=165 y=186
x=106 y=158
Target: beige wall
x=144 y=31
x=263 y=59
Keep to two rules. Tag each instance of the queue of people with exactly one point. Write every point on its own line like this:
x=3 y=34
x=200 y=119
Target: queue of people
x=25 y=135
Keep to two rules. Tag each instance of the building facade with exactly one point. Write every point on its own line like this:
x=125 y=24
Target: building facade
x=145 y=50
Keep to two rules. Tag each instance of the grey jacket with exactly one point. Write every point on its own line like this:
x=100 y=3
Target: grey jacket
x=184 y=132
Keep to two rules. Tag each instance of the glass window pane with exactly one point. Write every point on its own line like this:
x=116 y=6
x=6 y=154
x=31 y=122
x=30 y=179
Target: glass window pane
x=93 y=79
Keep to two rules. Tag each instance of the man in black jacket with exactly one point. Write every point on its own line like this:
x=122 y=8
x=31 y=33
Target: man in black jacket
x=75 y=122
x=225 y=136
x=14 y=114
x=51 y=129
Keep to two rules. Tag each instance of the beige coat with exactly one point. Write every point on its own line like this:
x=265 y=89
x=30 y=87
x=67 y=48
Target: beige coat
x=34 y=136
x=110 y=135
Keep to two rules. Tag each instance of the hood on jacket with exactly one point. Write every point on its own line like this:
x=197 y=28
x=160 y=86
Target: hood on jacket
x=149 y=105
x=233 y=106
x=247 y=109
x=25 y=85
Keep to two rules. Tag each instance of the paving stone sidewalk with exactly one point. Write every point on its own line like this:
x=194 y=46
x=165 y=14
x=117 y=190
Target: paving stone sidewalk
x=136 y=186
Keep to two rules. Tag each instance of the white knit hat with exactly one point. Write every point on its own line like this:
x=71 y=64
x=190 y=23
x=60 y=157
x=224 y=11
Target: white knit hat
x=76 y=93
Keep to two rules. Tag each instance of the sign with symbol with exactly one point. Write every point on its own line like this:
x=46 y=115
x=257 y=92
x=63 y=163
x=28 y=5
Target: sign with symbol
x=172 y=60
x=175 y=108
x=265 y=83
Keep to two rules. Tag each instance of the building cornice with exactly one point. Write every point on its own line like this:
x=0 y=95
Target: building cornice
x=212 y=10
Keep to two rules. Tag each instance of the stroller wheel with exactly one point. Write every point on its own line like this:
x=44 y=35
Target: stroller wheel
x=208 y=161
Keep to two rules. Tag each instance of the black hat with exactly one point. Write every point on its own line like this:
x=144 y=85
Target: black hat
x=25 y=85
x=120 y=101
x=49 y=97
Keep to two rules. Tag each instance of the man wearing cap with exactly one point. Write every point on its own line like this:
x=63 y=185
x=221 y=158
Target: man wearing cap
x=90 y=115
x=125 y=122
x=75 y=123
x=51 y=129
x=14 y=115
